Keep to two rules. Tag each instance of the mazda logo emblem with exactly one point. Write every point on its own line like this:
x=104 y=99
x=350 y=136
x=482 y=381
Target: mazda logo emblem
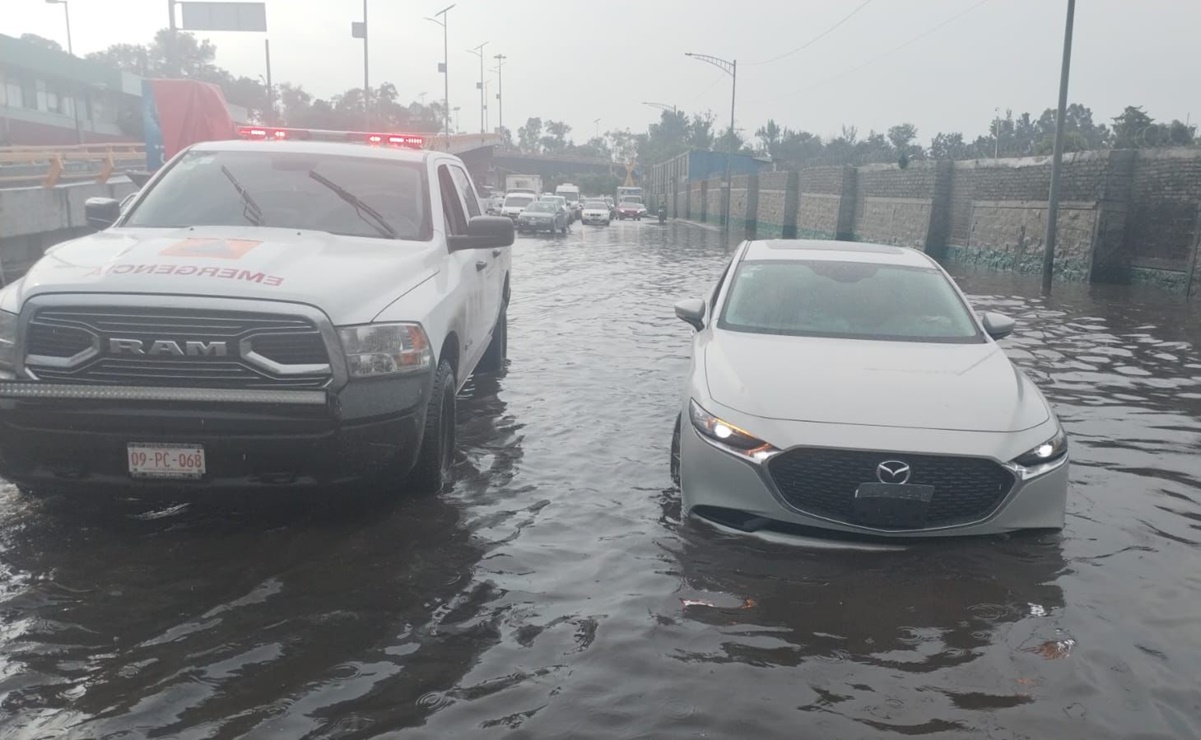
x=893 y=471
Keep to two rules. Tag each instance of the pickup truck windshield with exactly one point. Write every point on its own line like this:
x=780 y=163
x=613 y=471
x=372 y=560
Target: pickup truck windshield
x=350 y=196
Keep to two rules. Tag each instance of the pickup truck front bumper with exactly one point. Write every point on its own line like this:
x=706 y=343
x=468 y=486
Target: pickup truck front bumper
x=75 y=437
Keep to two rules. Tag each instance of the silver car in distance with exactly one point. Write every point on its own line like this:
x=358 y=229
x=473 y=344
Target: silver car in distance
x=849 y=387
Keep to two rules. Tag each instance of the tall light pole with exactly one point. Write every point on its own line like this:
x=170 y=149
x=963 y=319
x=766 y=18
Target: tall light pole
x=366 y=80
x=479 y=51
x=445 y=68
x=457 y=107
x=596 y=123
x=730 y=67
x=500 y=91
x=1057 y=160
x=996 y=133
x=662 y=106
x=71 y=51
x=67 y=14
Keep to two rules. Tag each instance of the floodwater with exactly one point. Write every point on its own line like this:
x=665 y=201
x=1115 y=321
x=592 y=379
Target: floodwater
x=555 y=593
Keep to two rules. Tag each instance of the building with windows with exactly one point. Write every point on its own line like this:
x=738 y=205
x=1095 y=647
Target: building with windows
x=49 y=97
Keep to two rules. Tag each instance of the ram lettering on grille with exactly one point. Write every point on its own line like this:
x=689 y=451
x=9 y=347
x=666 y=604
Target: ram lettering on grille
x=163 y=347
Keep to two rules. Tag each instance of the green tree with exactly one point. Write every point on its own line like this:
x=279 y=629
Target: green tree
x=769 y=136
x=1131 y=127
x=42 y=41
x=529 y=136
x=700 y=131
x=555 y=140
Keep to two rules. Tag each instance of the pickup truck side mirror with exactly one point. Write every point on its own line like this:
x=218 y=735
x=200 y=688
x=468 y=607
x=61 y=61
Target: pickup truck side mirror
x=692 y=312
x=101 y=213
x=483 y=232
x=997 y=325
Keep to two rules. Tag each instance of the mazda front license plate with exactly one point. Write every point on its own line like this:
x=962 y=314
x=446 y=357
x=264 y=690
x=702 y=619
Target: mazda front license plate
x=155 y=460
x=892 y=505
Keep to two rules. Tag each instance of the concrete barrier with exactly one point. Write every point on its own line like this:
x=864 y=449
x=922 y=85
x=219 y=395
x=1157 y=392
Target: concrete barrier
x=34 y=219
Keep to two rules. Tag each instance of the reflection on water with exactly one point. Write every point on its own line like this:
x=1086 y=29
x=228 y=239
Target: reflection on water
x=554 y=592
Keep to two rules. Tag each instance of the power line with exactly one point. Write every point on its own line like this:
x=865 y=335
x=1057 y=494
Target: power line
x=878 y=57
x=816 y=38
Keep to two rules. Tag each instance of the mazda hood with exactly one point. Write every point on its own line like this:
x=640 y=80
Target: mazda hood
x=965 y=387
x=351 y=279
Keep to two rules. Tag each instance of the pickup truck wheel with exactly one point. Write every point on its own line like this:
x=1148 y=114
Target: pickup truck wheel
x=432 y=471
x=494 y=357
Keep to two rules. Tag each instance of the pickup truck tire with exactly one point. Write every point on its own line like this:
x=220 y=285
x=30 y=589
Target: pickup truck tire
x=494 y=357
x=431 y=473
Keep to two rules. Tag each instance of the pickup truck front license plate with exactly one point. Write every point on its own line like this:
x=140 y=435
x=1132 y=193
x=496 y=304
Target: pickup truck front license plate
x=156 y=460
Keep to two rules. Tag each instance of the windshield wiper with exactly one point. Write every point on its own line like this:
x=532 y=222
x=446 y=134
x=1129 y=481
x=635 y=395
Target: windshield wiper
x=376 y=220
x=250 y=209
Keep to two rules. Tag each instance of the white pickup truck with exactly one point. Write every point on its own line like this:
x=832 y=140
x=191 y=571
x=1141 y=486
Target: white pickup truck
x=265 y=313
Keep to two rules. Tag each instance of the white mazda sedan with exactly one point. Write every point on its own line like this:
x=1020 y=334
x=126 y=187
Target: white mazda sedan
x=850 y=387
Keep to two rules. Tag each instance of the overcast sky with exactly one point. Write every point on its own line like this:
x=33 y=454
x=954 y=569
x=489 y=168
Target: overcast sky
x=579 y=60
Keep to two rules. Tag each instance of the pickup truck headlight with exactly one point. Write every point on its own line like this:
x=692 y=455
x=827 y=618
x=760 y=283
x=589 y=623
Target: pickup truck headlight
x=380 y=350
x=8 y=345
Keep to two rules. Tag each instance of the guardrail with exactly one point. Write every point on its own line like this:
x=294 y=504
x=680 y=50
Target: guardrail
x=50 y=165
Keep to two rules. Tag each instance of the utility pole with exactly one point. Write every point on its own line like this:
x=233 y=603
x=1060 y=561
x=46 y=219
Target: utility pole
x=1057 y=160
x=730 y=67
x=445 y=67
x=479 y=51
x=996 y=134
x=270 y=89
x=596 y=123
x=500 y=91
x=366 y=79
x=174 y=39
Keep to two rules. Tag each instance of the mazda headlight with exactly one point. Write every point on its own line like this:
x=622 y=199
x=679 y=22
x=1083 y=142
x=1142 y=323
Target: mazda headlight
x=380 y=350
x=8 y=345
x=727 y=435
x=1033 y=461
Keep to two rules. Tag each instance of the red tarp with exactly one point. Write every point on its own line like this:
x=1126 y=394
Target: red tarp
x=190 y=112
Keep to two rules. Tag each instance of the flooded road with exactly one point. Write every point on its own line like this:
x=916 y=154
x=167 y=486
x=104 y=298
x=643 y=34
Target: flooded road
x=555 y=593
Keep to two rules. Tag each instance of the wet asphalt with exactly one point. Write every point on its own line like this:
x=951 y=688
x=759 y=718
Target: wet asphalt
x=554 y=592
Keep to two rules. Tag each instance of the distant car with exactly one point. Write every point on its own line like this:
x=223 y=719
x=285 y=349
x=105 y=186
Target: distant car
x=515 y=203
x=596 y=212
x=913 y=423
x=543 y=216
x=561 y=202
x=630 y=209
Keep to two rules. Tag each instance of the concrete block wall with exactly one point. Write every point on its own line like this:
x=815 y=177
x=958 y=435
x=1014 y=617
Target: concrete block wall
x=1124 y=215
x=1163 y=223
x=34 y=219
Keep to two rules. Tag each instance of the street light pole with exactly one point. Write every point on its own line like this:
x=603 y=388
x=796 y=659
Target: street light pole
x=445 y=67
x=1057 y=160
x=500 y=92
x=479 y=51
x=662 y=106
x=366 y=79
x=730 y=67
x=596 y=122
x=71 y=51
x=996 y=148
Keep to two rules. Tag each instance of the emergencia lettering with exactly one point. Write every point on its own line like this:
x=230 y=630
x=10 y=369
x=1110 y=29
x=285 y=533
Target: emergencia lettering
x=225 y=273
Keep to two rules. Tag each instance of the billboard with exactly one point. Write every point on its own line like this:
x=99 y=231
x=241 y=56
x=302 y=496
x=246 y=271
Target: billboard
x=224 y=16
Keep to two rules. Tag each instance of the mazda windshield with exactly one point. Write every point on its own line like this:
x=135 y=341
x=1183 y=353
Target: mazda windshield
x=350 y=196
x=847 y=299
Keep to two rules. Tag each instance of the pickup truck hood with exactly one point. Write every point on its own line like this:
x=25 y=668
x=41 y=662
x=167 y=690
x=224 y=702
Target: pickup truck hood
x=351 y=279
x=967 y=387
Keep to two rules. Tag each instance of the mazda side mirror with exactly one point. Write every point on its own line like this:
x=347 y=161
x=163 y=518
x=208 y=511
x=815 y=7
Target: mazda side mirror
x=101 y=213
x=483 y=232
x=692 y=312
x=997 y=325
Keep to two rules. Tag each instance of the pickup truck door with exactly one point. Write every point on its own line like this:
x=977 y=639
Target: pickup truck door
x=494 y=259
x=468 y=278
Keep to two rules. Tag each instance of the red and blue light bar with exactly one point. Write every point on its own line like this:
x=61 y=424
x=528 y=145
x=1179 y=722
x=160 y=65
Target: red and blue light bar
x=271 y=133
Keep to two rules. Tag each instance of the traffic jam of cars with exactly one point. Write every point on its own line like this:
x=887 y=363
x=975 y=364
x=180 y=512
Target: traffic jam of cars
x=266 y=318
